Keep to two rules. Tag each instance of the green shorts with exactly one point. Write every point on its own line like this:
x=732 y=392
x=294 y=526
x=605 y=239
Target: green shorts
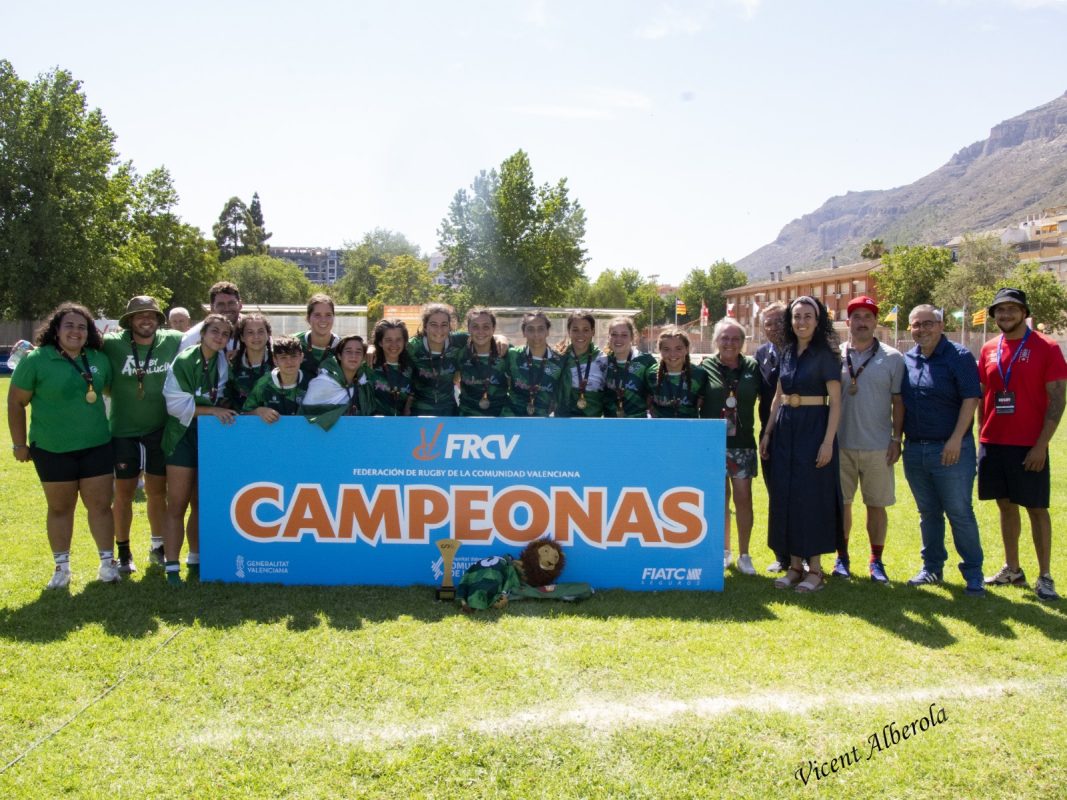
x=185 y=452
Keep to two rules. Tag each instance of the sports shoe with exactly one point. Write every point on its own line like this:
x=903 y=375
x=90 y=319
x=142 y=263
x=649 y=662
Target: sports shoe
x=1046 y=588
x=744 y=564
x=155 y=556
x=726 y=559
x=60 y=579
x=925 y=576
x=975 y=590
x=840 y=569
x=192 y=572
x=776 y=566
x=109 y=572
x=174 y=579
x=1007 y=576
x=877 y=569
x=126 y=566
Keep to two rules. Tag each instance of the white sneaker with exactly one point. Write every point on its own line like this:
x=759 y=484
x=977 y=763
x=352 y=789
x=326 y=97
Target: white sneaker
x=727 y=557
x=60 y=579
x=744 y=563
x=109 y=572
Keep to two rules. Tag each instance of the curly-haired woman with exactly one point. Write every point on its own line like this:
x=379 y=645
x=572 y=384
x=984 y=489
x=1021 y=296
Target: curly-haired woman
x=69 y=439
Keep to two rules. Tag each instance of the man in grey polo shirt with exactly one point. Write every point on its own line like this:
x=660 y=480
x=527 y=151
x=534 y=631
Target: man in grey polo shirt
x=872 y=421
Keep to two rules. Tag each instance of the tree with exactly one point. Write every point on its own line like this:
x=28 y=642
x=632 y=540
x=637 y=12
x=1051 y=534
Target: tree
x=232 y=231
x=983 y=262
x=709 y=285
x=874 y=249
x=64 y=199
x=376 y=249
x=406 y=280
x=1044 y=294
x=257 y=230
x=180 y=265
x=512 y=243
x=909 y=275
x=268 y=280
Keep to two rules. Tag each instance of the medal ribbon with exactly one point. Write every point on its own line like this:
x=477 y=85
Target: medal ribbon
x=87 y=374
x=535 y=386
x=848 y=359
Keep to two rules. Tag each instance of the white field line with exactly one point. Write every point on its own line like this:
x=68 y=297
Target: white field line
x=605 y=715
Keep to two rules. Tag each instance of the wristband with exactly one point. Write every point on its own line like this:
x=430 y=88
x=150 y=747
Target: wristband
x=17 y=447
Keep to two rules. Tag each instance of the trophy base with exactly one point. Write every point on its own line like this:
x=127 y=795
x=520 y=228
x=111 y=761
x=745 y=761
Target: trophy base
x=445 y=593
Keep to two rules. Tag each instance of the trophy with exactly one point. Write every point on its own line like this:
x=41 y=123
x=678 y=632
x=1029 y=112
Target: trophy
x=448 y=548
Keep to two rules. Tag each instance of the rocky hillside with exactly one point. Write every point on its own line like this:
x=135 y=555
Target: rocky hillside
x=1021 y=168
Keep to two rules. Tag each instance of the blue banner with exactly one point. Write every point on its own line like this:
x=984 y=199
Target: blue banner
x=635 y=504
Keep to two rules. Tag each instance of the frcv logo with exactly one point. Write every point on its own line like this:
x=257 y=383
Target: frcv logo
x=465 y=445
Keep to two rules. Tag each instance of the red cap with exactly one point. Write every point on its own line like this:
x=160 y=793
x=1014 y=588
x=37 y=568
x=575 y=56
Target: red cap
x=863 y=301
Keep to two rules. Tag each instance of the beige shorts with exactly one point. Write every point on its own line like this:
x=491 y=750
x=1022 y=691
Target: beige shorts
x=868 y=469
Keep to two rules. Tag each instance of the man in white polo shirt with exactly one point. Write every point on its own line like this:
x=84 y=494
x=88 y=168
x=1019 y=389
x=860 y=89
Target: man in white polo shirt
x=872 y=421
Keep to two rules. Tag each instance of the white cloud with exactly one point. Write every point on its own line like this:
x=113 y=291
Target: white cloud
x=560 y=112
x=537 y=13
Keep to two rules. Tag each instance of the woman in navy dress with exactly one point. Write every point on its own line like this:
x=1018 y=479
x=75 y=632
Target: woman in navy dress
x=801 y=444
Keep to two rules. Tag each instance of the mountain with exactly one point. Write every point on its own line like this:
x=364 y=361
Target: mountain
x=1020 y=169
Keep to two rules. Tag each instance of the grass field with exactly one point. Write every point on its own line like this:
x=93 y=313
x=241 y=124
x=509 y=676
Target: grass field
x=137 y=690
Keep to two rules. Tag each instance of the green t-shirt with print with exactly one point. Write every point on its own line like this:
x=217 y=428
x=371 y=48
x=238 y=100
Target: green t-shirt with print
x=61 y=421
x=133 y=412
x=586 y=381
x=390 y=387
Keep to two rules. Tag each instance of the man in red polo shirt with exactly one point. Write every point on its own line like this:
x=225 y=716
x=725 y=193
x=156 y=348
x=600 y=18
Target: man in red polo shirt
x=1023 y=376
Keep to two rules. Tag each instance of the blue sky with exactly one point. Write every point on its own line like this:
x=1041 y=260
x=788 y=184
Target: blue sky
x=689 y=131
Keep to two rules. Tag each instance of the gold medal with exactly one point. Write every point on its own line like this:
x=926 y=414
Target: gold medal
x=581 y=402
x=618 y=406
x=90 y=396
x=731 y=402
x=483 y=404
x=530 y=408
x=853 y=388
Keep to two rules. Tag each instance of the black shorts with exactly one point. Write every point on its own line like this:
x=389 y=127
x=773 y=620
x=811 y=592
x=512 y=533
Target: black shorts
x=74 y=465
x=136 y=453
x=1001 y=476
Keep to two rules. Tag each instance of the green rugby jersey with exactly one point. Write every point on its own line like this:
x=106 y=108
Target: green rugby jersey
x=675 y=396
x=316 y=358
x=243 y=377
x=586 y=382
x=390 y=389
x=434 y=377
x=743 y=382
x=482 y=377
x=624 y=385
x=537 y=381
x=270 y=393
x=137 y=405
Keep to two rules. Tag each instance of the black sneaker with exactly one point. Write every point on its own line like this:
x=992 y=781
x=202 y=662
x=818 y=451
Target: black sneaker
x=841 y=568
x=924 y=577
x=156 y=557
x=1046 y=588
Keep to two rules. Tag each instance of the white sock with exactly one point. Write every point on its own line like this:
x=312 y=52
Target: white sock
x=157 y=541
x=107 y=556
x=62 y=560
x=192 y=558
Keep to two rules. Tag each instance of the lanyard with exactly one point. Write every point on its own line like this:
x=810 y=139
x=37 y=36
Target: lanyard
x=848 y=359
x=140 y=371
x=394 y=388
x=535 y=386
x=1006 y=377
x=621 y=375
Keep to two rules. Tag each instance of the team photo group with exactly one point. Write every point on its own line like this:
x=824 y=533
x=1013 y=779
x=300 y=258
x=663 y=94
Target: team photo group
x=835 y=418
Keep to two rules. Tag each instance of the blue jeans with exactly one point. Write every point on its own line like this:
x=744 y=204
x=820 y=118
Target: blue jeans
x=941 y=491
